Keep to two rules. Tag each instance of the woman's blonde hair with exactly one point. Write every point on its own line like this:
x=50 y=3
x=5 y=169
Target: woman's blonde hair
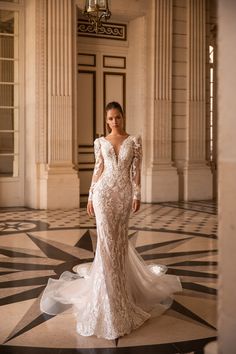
x=113 y=105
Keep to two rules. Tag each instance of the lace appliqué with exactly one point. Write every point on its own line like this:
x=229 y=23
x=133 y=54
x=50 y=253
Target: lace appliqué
x=98 y=167
x=118 y=292
x=136 y=168
x=136 y=163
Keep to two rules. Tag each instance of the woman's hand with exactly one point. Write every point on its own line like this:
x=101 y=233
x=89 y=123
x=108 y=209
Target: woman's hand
x=90 y=209
x=135 y=205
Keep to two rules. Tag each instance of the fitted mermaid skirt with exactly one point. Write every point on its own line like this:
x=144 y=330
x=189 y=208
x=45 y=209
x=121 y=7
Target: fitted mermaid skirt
x=118 y=292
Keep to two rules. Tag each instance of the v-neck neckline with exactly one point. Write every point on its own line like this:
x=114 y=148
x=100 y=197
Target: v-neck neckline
x=117 y=154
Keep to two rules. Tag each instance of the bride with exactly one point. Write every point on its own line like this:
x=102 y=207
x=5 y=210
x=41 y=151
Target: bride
x=118 y=292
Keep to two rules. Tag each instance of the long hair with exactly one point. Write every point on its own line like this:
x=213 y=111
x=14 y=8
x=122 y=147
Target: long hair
x=113 y=105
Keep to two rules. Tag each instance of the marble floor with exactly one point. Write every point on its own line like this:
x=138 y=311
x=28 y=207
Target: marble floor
x=36 y=245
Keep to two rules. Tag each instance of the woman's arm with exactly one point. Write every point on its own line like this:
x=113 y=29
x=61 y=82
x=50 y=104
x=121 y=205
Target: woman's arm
x=136 y=173
x=98 y=169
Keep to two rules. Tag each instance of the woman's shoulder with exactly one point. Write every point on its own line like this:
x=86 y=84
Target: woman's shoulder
x=97 y=141
x=137 y=139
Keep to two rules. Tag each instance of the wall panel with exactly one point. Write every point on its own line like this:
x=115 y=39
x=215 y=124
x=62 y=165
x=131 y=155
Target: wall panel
x=114 y=87
x=86 y=107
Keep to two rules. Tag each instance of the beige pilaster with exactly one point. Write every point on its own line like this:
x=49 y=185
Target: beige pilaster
x=197 y=175
x=162 y=178
x=62 y=180
x=227 y=176
x=41 y=123
x=52 y=181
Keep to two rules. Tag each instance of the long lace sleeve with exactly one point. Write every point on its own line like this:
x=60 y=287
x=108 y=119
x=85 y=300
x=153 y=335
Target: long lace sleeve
x=136 y=168
x=98 y=167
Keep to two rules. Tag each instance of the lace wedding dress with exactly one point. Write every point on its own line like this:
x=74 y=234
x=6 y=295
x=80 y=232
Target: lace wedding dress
x=118 y=292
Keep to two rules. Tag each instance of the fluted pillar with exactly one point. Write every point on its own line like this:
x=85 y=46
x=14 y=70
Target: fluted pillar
x=197 y=175
x=62 y=185
x=162 y=179
x=51 y=180
x=59 y=82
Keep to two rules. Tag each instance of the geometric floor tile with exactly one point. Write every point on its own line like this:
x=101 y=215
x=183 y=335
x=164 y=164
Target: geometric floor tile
x=37 y=245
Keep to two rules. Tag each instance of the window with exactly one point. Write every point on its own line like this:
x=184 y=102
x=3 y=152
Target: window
x=9 y=94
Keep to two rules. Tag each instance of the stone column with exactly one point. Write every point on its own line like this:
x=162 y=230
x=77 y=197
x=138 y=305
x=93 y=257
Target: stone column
x=52 y=181
x=62 y=184
x=227 y=176
x=197 y=175
x=162 y=178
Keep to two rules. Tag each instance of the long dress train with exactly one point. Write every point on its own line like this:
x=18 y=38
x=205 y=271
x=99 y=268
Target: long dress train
x=118 y=292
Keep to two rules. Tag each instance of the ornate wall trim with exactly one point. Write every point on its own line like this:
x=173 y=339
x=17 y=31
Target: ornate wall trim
x=108 y=30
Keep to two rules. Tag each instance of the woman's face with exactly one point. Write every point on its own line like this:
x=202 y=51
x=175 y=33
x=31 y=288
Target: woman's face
x=114 y=119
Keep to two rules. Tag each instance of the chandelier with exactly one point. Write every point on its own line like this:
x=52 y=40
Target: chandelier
x=96 y=11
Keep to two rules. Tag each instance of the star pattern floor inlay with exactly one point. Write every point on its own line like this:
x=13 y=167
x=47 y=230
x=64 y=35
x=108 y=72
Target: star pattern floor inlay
x=36 y=245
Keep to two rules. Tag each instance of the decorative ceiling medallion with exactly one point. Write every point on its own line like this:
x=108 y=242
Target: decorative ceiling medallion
x=107 y=30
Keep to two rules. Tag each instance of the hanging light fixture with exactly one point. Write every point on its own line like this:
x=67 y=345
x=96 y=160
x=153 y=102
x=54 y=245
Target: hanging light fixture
x=96 y=11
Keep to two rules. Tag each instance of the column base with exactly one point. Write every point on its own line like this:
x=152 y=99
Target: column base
x=211 y=348
x=161 y=184
x=197 y=183
x=58 y=188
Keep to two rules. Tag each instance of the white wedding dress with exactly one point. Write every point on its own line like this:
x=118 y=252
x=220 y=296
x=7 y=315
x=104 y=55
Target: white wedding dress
x=118 y=292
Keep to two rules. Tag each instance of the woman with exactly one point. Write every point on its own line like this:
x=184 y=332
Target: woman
x=118 y=292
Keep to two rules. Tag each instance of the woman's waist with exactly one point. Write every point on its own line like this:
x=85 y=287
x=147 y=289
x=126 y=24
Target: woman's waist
x=115 y=179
